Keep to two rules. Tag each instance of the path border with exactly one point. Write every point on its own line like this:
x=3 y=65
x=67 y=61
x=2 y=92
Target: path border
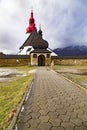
x=78 y=85
x=19 y=108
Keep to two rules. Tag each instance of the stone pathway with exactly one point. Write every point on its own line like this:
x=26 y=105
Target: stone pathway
x=54 y=104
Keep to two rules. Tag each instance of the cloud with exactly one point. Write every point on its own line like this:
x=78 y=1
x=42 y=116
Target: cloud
x=63 y=22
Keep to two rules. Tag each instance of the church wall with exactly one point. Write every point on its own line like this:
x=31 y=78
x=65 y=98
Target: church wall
x=34 y=61
x=48 y=61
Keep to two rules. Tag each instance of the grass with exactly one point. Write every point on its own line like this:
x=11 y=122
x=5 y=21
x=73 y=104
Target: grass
x=11 y=94
x=79 y=77
x=69 y=67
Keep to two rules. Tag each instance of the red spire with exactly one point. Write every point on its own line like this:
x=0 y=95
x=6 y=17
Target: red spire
x=31 y=26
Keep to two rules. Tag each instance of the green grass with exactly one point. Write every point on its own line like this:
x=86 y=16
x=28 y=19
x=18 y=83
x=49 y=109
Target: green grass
x=79 y=78
x=11 y=94
x=69 y=67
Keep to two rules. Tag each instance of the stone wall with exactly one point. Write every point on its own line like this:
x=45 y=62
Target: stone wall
x=14 y=60
x=19 y=60
x=70 y=61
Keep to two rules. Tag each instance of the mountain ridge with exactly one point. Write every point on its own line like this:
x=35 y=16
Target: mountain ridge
x=72 y=51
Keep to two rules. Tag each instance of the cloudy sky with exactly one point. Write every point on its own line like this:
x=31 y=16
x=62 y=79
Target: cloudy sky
x=64 y=22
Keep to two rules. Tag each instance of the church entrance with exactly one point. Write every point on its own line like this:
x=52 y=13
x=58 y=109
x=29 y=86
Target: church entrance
x=41 y=60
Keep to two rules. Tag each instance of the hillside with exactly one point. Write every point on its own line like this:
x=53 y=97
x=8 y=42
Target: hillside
x=71 y=51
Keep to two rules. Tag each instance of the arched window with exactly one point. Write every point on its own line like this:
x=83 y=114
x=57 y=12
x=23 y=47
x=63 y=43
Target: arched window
x=48 y=55
x=34 y=55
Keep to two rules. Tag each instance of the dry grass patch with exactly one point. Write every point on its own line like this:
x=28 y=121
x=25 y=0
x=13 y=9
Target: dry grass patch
x=78 y=74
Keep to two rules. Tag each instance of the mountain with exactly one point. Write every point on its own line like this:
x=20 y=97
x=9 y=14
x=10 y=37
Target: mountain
x=71 y=51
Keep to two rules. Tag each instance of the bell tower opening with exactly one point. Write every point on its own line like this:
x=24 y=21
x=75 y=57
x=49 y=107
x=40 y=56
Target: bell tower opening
x=41 y=60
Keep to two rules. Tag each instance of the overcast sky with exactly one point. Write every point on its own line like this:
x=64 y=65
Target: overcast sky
x=64 y=22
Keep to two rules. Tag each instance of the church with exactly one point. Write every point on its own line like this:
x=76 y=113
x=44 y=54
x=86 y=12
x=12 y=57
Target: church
x=35 y=46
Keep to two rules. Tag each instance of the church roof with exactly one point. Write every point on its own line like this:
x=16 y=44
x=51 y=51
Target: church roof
x=39 y=42
x=30 y=39
x=40 y=51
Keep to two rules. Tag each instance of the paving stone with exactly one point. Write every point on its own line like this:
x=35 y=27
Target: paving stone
x=21 y=126
x=29 y=111
x=34 y=123
x=31 y=128
x=35 y=109
x=61 y=112
x=43 y=107
x=55 y=122
x=85 y=123
x=81 y=104
x=59 y=106
x=27 y=125
x=52 y=109
x=72 y=114
x=77 y=121
x=68 y=125
x=35 y=115
x=83 y=117
x=44 y=119
x=53 y=115
x=25 y=112
x=28 y=117
x=44 y=126
x=66 y=104
x=81 y=128
x=80 y=112
x=64 y=118
x=85 y=109
x=44 y=112
x=57 y=128
x=22 y=119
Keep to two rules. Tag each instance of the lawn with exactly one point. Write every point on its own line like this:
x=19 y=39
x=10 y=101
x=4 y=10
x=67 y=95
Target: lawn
x=11 y=93
x=78 y=74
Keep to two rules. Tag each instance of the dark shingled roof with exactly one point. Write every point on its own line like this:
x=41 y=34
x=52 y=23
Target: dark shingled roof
x=40 y=51
x=39 y=42
x=30 y=39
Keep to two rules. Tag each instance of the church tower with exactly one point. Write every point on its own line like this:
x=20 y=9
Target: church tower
x=31 y=26
x=40 y=55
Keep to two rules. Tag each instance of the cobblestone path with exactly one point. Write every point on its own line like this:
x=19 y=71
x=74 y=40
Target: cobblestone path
x=54 y=104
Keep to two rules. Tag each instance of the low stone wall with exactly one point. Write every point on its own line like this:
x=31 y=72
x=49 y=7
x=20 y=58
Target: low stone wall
x=19 y=60
x=14 y=60
x=70 y=61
